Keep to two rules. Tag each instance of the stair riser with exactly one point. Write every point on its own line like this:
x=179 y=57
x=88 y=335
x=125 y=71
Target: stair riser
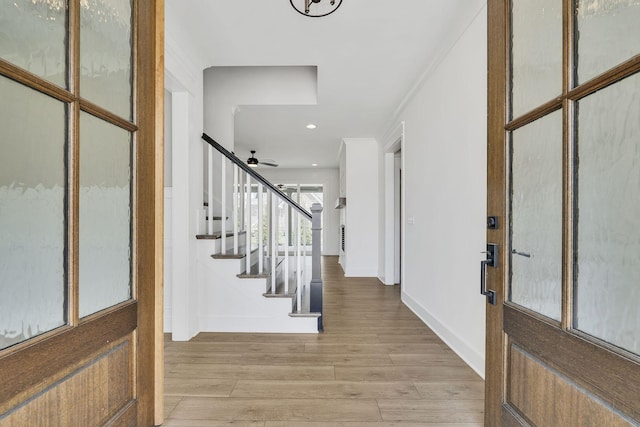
x=229 y=243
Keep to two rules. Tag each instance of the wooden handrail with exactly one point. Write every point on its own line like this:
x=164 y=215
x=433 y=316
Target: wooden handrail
x=233 y=158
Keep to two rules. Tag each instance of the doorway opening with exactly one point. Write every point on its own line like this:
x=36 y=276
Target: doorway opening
x=397 y=217
x=393 y=202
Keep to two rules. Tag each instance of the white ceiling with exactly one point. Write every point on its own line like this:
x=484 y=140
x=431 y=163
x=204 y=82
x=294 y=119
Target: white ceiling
x=369 y=54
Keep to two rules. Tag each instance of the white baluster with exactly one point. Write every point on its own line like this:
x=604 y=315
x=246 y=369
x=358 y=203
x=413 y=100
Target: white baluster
x=274 y=242
x=223 y=204
x=234 y=208
x=285 y=270
x=298 y=260
x=269 y=222
x=260 y=231
x=242 y=191
x=304 y=255
x=247 y=236
x=210 y=190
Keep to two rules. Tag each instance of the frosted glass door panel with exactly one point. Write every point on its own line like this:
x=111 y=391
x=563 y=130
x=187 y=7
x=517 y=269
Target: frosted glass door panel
x=608 y=239
x=536 y=53
x=536 y=214
x=33 y=36
x=105 y=215
x=105 y=54
x=32 y=213
x=608 y=34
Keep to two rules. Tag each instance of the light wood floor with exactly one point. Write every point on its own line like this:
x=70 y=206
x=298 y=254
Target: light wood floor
x=375 y=365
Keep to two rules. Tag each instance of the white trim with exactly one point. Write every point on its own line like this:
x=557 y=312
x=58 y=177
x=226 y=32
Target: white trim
x=168 y=254
x=471 y=357
x=393 y=142
x=393 y=137
x=389 y=241
x=180 y=298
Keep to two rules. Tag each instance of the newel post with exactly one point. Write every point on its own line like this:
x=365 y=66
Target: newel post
x=316 y=275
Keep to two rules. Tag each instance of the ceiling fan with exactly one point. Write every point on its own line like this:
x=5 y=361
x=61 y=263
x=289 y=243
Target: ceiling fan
x=253 y=161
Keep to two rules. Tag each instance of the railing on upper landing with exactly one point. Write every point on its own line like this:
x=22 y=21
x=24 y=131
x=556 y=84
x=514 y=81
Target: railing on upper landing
x=274 y=226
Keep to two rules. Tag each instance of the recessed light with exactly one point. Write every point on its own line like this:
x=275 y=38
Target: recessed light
x=314 y=164
x=311 y=126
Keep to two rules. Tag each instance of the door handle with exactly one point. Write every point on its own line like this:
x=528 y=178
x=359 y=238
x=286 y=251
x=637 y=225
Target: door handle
x=524 y=254
x=491 y=261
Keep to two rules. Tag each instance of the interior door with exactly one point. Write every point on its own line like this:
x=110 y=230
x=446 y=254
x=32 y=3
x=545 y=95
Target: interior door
x=563 y=338
x=80 y=212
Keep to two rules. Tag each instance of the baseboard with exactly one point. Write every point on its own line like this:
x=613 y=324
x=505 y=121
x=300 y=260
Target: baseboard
x=361 y=273
x=167 y=320
x=382 y=280
x=470 y=356
x=287 y=325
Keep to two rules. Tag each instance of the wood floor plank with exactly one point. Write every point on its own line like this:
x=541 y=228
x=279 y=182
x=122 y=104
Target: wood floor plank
x=258 y=372
x=242 y=347
x=368 y=424
x=346 y=328
x=236 y=409
x=198 y=387
x=407 y=323
x=198 y=356
x=347 y=339
x=366 y=373
x=400 y=348
x=211 y=423
x=456 y=371
x=253 y=337
x=445 y=357
x=453 y=372
x=325 y=359
x=376 y=365
x=325 y=390
x=432 y=411
x=451 y=390
x=409 y=338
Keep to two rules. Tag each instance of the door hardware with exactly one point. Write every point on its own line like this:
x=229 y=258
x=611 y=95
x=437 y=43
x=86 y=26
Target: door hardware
x=491 y=261
x=492 y=222
x=524 y=254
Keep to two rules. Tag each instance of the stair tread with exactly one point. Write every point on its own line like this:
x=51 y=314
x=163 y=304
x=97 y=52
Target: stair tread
x=217 y=235
x=280 y=287
x=241 y=254
x=254 y=272
x=310 y=314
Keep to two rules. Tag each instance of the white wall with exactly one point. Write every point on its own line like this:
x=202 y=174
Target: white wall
x=444 y=153
x=183 y=78
x=361 y=213
x=328 y=178
x=225 y=88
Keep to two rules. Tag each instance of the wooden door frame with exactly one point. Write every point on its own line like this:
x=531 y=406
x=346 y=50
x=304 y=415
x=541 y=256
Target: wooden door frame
x=496 y=203
x=49 y=356
x=150 y=215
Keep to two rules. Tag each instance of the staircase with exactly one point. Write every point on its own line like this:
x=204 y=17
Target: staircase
x=259 y=267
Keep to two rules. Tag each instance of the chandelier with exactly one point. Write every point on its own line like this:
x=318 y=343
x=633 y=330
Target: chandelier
x=315 y=8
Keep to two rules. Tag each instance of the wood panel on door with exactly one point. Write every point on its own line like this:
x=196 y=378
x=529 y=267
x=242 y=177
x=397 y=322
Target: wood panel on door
x=563 y=178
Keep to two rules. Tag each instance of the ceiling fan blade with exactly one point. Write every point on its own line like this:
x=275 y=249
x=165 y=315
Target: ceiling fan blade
x=275 y=165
